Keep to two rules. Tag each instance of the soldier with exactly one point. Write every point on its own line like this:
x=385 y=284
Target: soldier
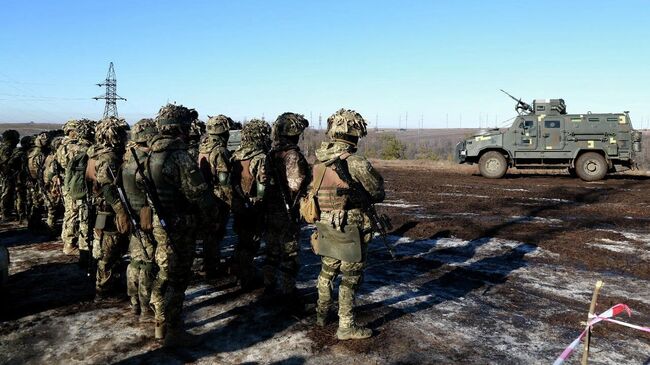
x=77 y=140
x=249 y=181
x=141 y=270
x=110 y=217
x=35 y=167
x=185 y=202
x=19 y=163
x=52 y=178
x=214 y=162
x=10 y=139
x=196 y=132
x=345 y=184
x=290 y=175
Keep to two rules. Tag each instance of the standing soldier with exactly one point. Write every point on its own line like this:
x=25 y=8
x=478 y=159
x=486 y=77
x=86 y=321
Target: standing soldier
x=19 y=163
x=10 y=139
x=141 y=269
x=196 y=132
x=346 y=185
x=290 y=175
x=110 y=216
x=185 y=201
x=249 y=181
x=214 y=163
x=36 y=165
x=77 y=140
x=52 y=177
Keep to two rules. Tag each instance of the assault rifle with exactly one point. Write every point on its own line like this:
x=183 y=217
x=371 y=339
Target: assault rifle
x=359 y=196
x=152 y=198
x=289 y=207
x=129 y=211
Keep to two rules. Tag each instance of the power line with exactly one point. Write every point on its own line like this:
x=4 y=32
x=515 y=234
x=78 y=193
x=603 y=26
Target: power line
x=111 y=97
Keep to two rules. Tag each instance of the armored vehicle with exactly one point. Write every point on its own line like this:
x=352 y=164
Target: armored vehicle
x=544 y=136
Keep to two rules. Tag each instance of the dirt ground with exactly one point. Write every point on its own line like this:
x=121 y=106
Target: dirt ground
x=487 y=271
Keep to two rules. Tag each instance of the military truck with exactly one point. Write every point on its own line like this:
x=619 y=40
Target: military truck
x=544 y=136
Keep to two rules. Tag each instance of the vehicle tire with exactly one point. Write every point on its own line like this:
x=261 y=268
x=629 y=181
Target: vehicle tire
x=591 y=166
x=493 y=165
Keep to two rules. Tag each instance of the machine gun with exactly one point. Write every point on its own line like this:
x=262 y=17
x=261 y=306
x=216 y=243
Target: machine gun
x=521 y=105
x=152 y=198
x=129 y=211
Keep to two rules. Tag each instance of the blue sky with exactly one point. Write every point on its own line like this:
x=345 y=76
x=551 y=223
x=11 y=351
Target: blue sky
x=431 y=59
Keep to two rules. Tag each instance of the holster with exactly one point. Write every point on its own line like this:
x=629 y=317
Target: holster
x=342 y=245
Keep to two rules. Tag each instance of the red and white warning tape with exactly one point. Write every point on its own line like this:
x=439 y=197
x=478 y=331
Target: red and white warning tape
x=605 y=316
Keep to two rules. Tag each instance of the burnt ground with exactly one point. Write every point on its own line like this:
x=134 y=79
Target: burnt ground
x=487 y=271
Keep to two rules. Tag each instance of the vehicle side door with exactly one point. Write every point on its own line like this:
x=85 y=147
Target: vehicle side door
x=553 y=133
x=526 y=134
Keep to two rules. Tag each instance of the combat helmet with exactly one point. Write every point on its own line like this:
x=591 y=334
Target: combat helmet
x=143 y=130
x=172 y=117
x=289 y=125
x=70 y=126
x=27 y=142
x=347 y=126
x=40 y=140
x=11 y=136
x=197 y=129
x=219 y=124
x=111 y=132
x=86 y=129
x=56 y=142
x=256 y=133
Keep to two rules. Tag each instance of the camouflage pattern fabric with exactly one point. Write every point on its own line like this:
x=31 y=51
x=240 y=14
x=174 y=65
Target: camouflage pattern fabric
x=52 y=178
x=283 y=234
x=7 y=179
x=361 y=171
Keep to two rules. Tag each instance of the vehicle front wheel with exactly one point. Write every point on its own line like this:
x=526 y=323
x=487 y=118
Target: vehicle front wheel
x=493 y=165
x=591 y=166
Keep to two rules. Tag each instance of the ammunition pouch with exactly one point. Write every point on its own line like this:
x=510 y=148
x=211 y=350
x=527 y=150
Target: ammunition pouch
x=344 y=245
x=104 y=222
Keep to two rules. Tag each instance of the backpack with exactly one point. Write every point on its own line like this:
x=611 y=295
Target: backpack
x=309 y=209
x=75 y=176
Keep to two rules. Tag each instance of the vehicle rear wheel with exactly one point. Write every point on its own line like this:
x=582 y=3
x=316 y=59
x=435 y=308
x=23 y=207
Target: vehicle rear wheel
x=591 y=166
x=493 y=165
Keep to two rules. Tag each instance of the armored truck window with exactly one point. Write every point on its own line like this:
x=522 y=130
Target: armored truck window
x=612 y=120
x=594 y=120
x=551 y=124
x=528 y=123
x=541 y=108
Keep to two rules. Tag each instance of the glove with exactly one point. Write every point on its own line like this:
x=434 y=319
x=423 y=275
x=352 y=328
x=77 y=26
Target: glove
x=121 y=220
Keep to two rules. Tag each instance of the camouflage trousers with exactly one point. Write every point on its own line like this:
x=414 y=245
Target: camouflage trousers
x=7 y=196
x=351 y=272
x=24 y=201
x=212 y=239
x=70 y=228
x=249 y=227
x=108 y=248
x=282 y=246
x=52 y=205
x=173 y=258
x=140 y=272
x=84 y=238
x=36 y=208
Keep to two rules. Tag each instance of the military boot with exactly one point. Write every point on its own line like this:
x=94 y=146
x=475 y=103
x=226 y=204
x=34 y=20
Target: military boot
x=146 y=315
x=70 y=250
x=321 y=319
x=353 y=332
x=160 y=330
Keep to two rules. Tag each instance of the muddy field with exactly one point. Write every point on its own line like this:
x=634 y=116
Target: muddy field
x=487 y=271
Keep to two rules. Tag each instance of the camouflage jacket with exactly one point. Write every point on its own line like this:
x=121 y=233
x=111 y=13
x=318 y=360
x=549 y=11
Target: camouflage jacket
x=36 y=163
x=6 y=151
x=214 y=162
x=104 y=191
x=255 y=158
x=179 y=183
x=17 y=165
x=361 y=171
x=289 y=174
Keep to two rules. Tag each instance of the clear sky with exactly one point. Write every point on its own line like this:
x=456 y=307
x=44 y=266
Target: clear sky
x=431 y=59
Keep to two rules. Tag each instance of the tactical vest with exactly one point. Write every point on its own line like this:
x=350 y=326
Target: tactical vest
x=136 y=197
x=173 y=202
x=206 y=168
x=327 y=194
x=33 y=164
x=242 y=176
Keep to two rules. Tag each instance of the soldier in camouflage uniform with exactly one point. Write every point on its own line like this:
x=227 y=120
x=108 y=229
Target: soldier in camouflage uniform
x=347 y=184
x=197 y=130
x=289 y=175
x=52 y=178
x=78 y=138
x=214 y=162
x=186 y=202
x=248 y=180
x=19 y=163
x=35 y=167
x=10 y=139
x=110 y=217
x=141 y=270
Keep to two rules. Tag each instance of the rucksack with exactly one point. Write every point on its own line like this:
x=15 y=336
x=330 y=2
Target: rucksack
x=75 y=176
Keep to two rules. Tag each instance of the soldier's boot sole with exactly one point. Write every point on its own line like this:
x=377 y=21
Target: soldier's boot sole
x=353 y=333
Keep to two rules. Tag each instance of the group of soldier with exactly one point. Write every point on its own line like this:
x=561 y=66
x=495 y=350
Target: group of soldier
x=174 y=183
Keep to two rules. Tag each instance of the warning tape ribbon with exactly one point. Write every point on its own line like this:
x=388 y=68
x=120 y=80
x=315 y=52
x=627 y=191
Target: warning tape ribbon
x=605 y=316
